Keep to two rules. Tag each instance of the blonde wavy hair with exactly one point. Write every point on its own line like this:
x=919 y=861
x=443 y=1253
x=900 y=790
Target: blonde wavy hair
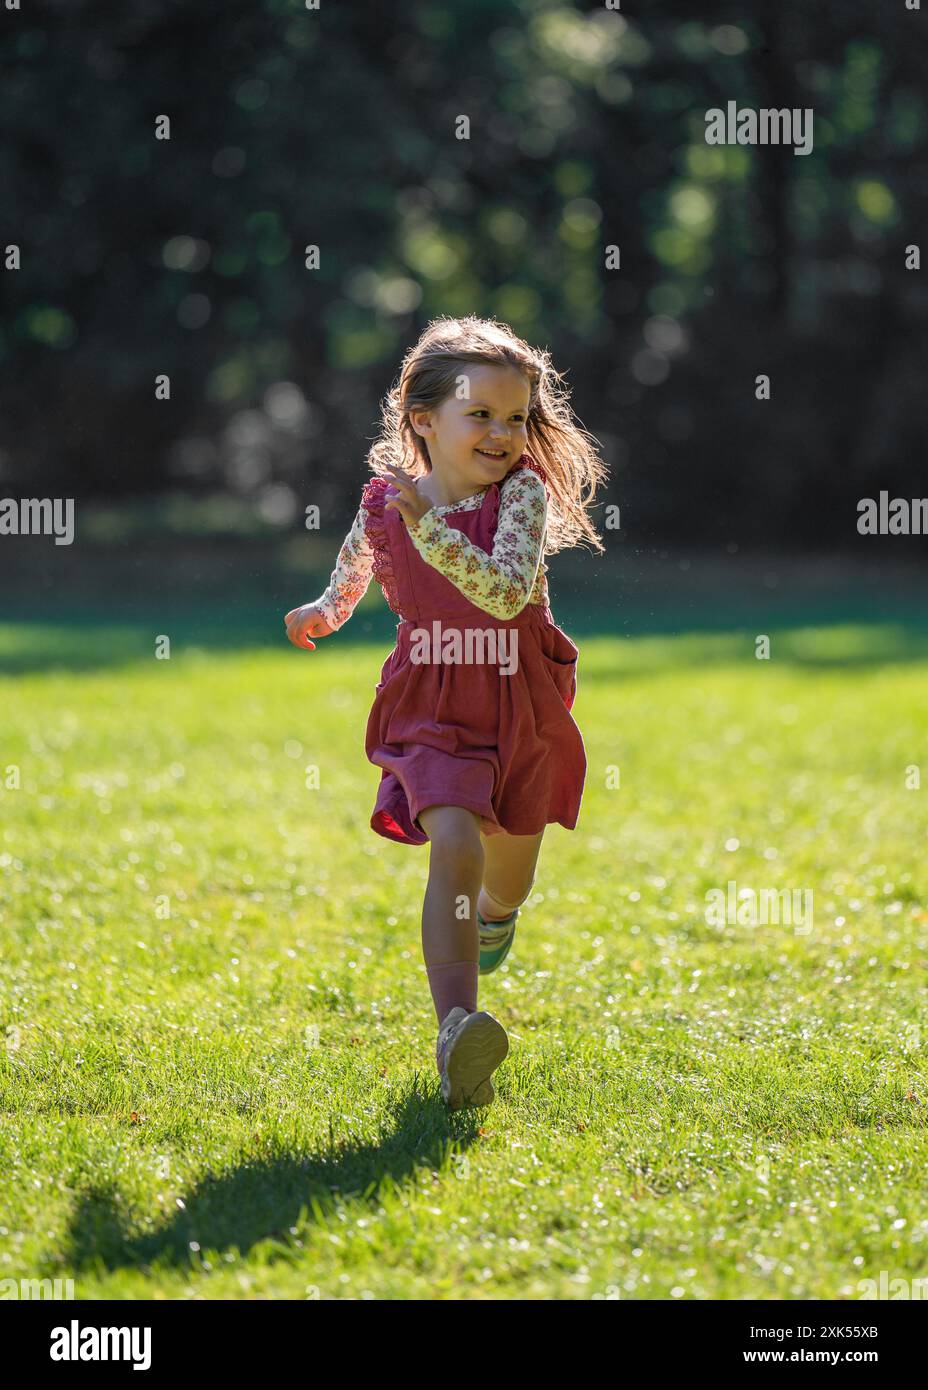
x=554 y=437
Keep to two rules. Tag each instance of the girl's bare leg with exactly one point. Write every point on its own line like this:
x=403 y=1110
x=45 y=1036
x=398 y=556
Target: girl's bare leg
x=450 y=943
x=508 y=874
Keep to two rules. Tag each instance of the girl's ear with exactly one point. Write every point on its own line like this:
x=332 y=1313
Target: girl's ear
x=421 y=421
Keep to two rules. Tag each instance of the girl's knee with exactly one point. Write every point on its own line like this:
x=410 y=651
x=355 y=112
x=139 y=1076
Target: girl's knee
x=500 y=905
x=454 y=835
x=459 y=852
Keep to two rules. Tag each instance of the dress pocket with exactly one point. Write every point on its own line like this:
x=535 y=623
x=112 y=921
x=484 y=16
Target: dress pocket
x=559 y=656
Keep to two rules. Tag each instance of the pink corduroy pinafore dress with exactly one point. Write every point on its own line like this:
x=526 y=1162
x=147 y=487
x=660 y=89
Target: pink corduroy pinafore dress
x=503 y=745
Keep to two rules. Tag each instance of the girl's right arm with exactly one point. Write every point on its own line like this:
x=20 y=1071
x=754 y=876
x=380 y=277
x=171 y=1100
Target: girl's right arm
x=347 y=586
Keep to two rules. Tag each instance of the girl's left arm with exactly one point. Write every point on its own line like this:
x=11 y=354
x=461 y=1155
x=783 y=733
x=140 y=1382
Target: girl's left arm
x=501 y=583
x=350 y=578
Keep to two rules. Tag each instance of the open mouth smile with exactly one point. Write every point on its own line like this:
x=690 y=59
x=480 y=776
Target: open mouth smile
x=493 y=453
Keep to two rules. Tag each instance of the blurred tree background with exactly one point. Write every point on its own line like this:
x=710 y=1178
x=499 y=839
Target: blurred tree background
x=335 y=127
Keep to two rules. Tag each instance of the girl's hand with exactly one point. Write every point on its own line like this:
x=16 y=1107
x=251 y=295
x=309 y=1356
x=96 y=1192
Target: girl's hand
x=305 y=622
x=410 y=504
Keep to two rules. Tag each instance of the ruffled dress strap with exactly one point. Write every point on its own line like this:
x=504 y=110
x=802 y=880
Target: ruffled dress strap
x=375 y=527
x=527 y=461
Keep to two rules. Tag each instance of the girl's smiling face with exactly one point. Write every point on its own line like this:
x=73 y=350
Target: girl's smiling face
x=475 y=442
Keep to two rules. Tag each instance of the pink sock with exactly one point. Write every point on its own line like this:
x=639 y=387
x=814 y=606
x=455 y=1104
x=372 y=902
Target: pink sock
x=453 y=984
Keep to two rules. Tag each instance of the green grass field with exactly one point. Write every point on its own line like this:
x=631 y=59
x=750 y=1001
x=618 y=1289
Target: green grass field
x=218 y=1078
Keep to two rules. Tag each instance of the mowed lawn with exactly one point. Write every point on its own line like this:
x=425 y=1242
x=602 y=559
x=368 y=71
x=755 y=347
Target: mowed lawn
x=218 y=1076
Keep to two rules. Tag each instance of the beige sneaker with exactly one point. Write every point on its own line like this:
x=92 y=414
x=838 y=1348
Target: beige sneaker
x=470 y=1047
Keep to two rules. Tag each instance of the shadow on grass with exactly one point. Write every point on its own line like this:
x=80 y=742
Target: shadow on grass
x=262 y=1199
x=816 y=649
x=91 y=639
x=645 y=644
x=102 y=609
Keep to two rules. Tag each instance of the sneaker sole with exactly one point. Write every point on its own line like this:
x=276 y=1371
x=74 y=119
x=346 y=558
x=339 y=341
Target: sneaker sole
x=479 y=1047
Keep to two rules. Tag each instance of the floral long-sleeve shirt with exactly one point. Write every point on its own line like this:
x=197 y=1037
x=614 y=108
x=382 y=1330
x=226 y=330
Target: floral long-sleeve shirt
x=501 y=583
